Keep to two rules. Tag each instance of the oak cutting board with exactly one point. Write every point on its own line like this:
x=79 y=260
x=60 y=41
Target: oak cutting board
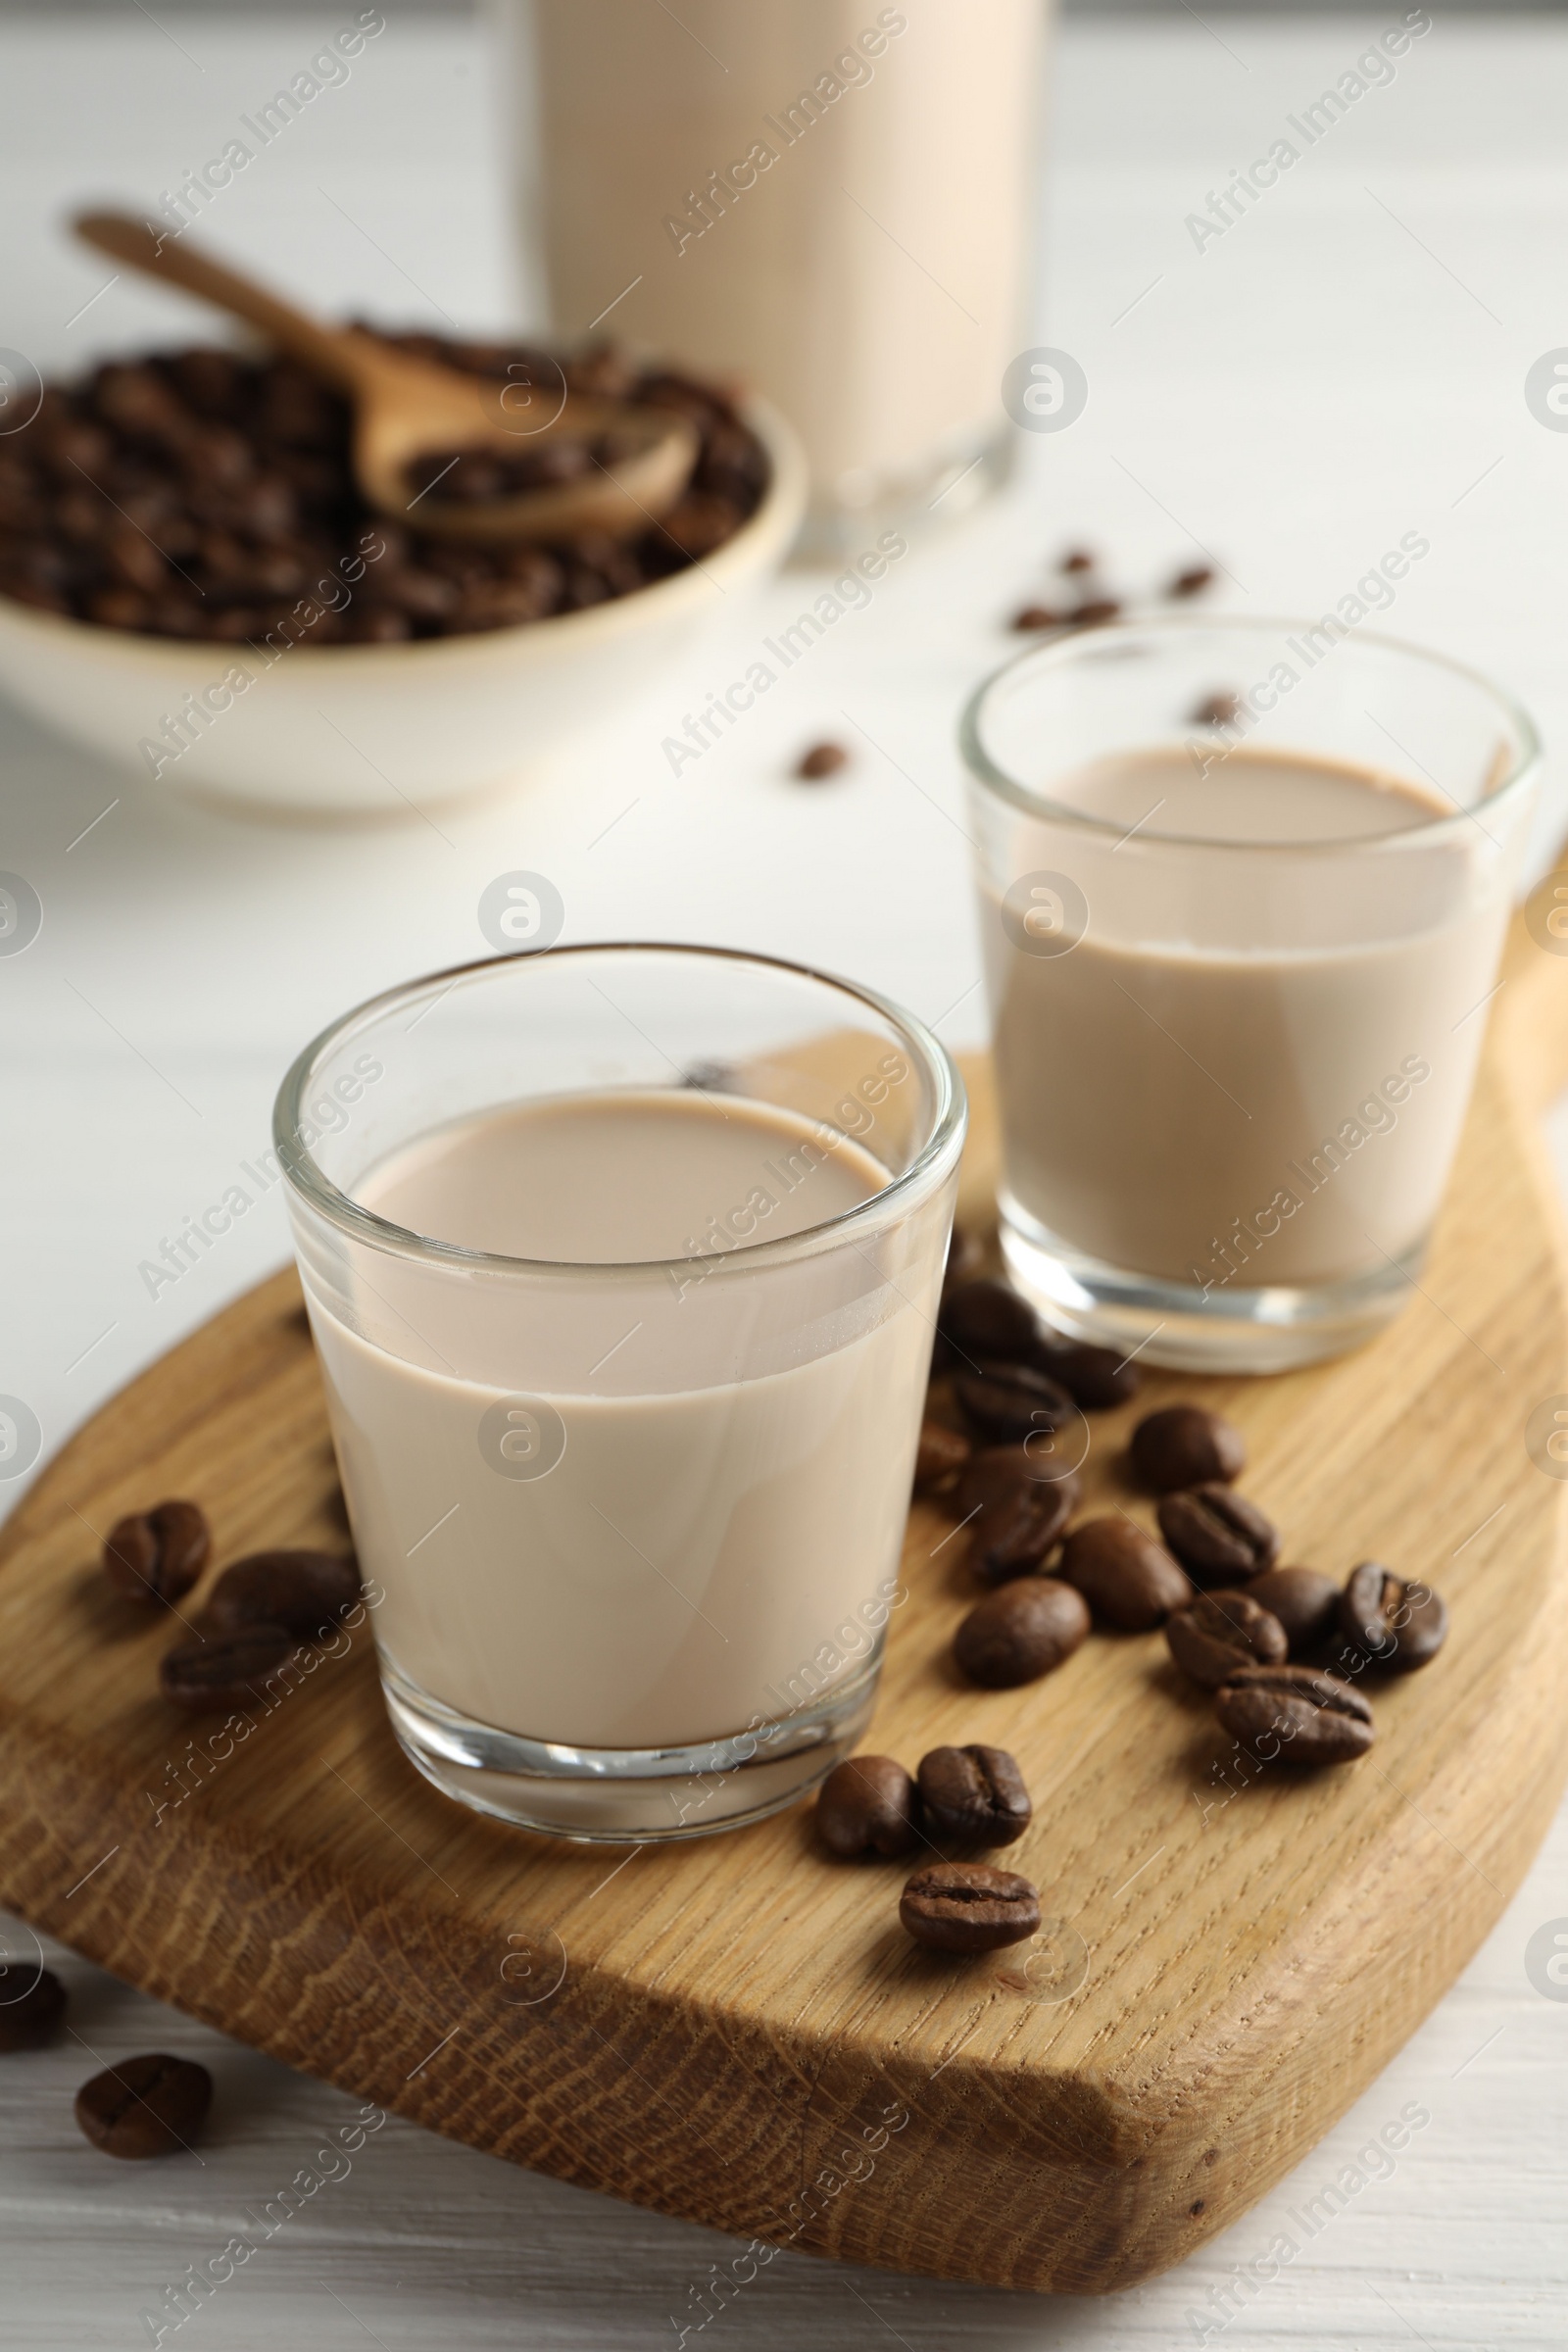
x=736 y=2030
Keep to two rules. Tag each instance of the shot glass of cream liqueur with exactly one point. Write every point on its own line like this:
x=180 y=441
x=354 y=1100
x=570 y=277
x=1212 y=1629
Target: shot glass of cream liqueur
x=1243 y=892
x=623 y=1265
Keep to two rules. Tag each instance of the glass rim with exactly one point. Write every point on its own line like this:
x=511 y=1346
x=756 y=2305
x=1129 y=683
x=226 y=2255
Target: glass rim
x=1063 y=651
x=310 y=1183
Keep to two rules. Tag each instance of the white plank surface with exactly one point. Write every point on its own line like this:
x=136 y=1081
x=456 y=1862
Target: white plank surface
x=1346 y=365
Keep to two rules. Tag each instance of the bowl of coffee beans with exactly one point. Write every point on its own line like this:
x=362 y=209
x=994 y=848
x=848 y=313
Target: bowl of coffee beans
x=192 y=585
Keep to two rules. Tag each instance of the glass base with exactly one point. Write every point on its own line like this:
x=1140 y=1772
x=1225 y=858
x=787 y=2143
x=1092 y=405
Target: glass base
x=643 y=1796
x=843 y=519
x=1179 y=1325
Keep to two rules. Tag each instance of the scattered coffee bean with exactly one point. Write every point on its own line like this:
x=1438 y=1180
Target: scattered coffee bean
x=157 y=1555
x=1021 y=1631
x=1126 y=1577
x=708 y=1075
x=968 y=1907
x=939 y=1455
x=1092 y=1377
x=1216 y=1534
x=1077 y=559
x=1217 y=711
x=1095 y=610
x=1012 y=1401
x=1011 y=1534
x=965 y=1258
x=152 y=2106
x=226 y=1670
x=1036 y=617
x=822 y=759
x=1305 y=1600
x=304 y=1591
x=1400 y=1626
x=32 y=2001
x=986 y=1319
x=995 y=1471
x=1220 y=1632
x=1294 y=1715
x=973 y=1796
x=1193 y=581
x=868 y=1805
x=1183 y=1445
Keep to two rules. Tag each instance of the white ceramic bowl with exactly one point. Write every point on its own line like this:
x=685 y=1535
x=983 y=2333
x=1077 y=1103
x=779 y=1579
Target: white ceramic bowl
x=367 y=729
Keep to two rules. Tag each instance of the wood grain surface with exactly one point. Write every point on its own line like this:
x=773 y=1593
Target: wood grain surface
x=737 y=2030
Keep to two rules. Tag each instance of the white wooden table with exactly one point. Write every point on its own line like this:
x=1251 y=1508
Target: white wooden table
x=1345 y=365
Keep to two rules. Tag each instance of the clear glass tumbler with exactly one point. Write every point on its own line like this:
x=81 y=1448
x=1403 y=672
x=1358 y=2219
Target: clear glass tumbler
x=638 y=1524
x=1244 y=886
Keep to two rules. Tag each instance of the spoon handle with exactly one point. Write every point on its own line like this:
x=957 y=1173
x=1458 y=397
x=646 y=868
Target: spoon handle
x=332 y=353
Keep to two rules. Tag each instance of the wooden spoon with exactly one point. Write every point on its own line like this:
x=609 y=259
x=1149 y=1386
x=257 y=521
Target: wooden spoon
x=404 y=408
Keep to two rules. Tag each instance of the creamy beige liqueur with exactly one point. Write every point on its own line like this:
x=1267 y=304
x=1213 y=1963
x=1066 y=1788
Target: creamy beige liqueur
x=1266 y=1115
x=703 y=1538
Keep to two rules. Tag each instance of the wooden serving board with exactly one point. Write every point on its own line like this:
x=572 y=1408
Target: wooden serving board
x=736 y=2030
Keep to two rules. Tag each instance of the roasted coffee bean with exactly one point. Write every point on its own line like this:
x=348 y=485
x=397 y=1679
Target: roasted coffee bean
x=32 y=2001
x=973 y=1796
x=968 y=1907
x=1220 y=1632
x=1217 y=711
x=1294 y=1715
x=131 y=560
x=1193 y=581
x=822 y=759
x=304 y=1591
x=152 y=2106
x=1305 y=1600
x=1400 y=1626
x=1216 y=1534
x=868 y=1805
x=1011 y=1400
x=939 y=1455
x=998 y=1470
x=193 y=444
x=1092 y=1377
x=1077 y=559
x=1021 y=1631
x=1126 y=1577
x=1036 y=617
x=1183 y=1445
x=987 y=1321
x=157 y=1555
x=1012 y=1535
x=1094 y=611
x=226 y=1670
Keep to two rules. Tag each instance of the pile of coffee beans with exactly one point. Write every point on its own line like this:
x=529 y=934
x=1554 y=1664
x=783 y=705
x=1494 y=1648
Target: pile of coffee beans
x=149 y=2106
x=259 y=1612
x=964 y=1797
x=1013 y=1380
x=1282 y=1650
x=200 y=494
